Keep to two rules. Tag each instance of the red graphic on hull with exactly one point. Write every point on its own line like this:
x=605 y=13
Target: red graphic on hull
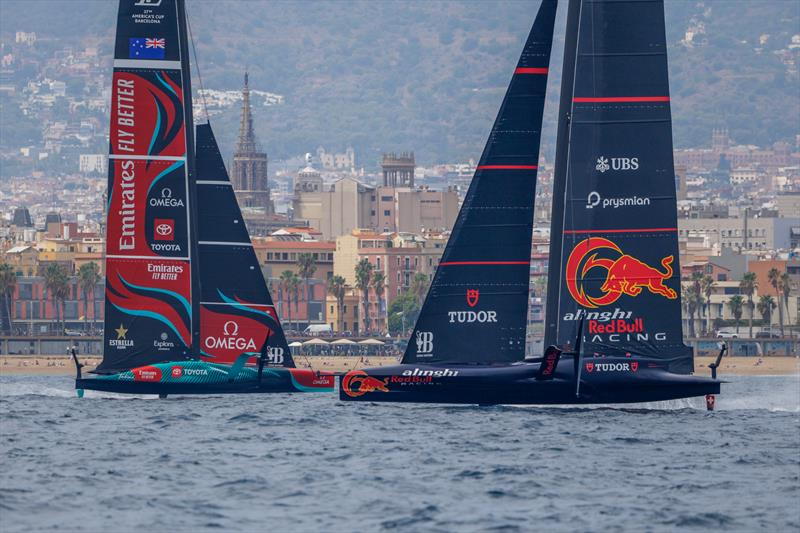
x=624 y=275
x=357 y=383
x=147 y=373
x=312 y=379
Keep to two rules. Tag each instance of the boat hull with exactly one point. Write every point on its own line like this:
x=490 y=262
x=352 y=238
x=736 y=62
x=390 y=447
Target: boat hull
x=603 y=381
x=199 y=377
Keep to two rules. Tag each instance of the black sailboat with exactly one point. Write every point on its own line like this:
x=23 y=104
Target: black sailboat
x=613 y=237
x=187 y=308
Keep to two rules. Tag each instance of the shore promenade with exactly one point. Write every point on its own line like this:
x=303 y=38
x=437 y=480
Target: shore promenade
x=60 y=365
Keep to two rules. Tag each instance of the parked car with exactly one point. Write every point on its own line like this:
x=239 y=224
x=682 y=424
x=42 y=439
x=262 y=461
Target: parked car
x=316 y=330
x=727 y=335
x=767 y=335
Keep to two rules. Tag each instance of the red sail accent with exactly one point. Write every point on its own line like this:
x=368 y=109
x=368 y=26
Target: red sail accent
x=507 y=167
x=449 y=263
x=631 y=230
x=620 y=99
x=530 y=70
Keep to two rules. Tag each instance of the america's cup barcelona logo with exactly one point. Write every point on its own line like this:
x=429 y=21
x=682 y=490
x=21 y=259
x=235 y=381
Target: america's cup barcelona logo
x=624 y=274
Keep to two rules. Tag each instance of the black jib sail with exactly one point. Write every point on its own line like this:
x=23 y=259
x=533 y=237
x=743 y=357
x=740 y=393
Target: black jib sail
x=616 y=225
x=236 y=311
x=148 y=314
x=476 y=308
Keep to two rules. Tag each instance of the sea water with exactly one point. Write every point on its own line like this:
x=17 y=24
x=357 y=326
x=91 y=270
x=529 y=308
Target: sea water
x=309 y=462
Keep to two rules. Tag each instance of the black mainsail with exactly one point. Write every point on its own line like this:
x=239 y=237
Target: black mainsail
x=477 y=303
x=615 y=227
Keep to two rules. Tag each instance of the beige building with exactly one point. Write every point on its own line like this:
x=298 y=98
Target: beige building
x=400 y=256
x=349 y=204
x=736 y=233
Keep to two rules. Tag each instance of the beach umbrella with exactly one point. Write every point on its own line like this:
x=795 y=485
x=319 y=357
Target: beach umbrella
x=372 y=342
x=295 y=344
x=315 y=342
x=343 y=342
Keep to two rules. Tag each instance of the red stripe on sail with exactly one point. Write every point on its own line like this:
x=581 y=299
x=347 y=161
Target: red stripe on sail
x=450 y=263
x=530 y=70
x=588 y=99
x=635 y=230
x=507 y=167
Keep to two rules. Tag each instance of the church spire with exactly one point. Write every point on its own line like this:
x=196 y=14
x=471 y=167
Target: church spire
x=247 y=137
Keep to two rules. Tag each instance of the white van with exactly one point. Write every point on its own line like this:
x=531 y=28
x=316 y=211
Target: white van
x=315 y=330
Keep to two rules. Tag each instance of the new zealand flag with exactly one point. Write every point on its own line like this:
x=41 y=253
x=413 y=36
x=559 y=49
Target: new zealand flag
x=146 y=48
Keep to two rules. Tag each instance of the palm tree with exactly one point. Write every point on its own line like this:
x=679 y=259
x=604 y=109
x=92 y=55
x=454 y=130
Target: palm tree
x=736 y=303
x=88 y=277
x=306 y=266
x=363 y=280
x=696 y=290
x=286 y=282
x=774 y=277
x=337 y=287
x=786 y=290
x=8 y=281
x=57 y=284
x=748 y=286
x=294 y=291
x=690 y=302
x=707 y=287
x=379 y=286
x=539 y=286
x=419 y=286
x=765 y=306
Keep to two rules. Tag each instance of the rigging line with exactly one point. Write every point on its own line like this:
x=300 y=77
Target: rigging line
x=202 y=90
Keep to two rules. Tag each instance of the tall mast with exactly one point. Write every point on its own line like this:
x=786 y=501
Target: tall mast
x=190 y=168
x=560 y=173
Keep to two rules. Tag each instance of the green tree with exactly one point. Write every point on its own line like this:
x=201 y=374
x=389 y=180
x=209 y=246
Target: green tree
x=287 y=284
x=379 y=286
x=8 y=282
x=57 y=284
x=774 y=277
x=419 y=286
x=690 y=304
x=306 y=267
x=88 y=277
x=748 y=286
x=403 y=313
x=363 y=280
x=765 y=306
x=337 y=287
x=706 y=288
x=736 y=304
x=786 y=290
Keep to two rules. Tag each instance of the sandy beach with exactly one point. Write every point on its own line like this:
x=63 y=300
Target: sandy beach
x=62 y=366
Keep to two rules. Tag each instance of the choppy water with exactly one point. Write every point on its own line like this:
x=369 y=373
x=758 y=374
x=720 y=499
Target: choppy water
x=309 y=462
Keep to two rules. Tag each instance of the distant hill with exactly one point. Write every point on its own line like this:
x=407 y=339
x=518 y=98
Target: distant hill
x=428 y=76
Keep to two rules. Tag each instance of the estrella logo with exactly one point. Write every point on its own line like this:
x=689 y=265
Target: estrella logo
x=624 y=275
x=357 y=383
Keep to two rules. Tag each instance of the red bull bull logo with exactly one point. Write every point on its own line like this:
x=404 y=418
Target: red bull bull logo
x=358 y=383
x=624 y=274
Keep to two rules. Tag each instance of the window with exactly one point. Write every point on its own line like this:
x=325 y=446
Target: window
x=372 y=212
x=386 y=198
x=331 y=310
x=25 y=291
x=378 y=263
x=386 y=212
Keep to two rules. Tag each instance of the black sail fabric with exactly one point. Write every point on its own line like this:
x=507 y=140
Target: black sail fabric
x=149 y=282
x=237 y=314
x=619 y=254
x=476 y=307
